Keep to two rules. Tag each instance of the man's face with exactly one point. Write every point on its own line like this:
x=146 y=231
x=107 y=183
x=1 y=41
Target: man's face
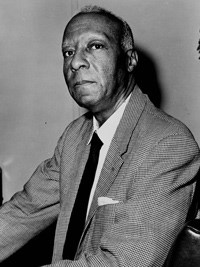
x=91 y=68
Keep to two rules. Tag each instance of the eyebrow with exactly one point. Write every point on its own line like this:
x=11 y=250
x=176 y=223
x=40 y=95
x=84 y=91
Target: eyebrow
x=110 y=38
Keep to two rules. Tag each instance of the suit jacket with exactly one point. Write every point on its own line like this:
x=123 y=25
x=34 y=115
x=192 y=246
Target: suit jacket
x=149 y=172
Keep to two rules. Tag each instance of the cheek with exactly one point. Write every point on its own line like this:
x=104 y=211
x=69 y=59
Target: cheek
x=106 y=72
x=65 y=71
x=67 y=74
x=110 y=77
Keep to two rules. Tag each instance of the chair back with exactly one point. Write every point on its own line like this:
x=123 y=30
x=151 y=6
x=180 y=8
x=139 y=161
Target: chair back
x=185 y=251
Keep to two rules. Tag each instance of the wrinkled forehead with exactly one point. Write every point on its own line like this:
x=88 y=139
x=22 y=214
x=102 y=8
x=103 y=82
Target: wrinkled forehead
x=92 y=22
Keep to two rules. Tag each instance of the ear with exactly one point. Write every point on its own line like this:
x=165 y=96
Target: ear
x=132 y=59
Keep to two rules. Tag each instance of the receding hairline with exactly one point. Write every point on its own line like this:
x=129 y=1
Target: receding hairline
x=76 y=16
x=125 y=36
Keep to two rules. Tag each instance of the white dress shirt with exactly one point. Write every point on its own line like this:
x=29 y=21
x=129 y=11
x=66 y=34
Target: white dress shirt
x=106 y=133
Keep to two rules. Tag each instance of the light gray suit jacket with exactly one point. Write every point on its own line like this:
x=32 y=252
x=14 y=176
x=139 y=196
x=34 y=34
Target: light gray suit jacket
x=149 y=170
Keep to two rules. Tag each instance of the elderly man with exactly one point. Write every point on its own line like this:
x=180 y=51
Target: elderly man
x=122 y=177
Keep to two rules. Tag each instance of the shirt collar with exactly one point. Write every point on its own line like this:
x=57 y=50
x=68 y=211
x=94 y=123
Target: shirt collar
x=107 y=130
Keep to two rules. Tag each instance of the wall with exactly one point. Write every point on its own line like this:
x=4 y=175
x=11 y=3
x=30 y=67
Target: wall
x=35 y=105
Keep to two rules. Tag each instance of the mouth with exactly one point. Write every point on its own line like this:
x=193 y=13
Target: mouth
x=83 y=82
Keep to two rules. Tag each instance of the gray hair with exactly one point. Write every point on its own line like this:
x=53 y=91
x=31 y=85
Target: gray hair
x=126 y=40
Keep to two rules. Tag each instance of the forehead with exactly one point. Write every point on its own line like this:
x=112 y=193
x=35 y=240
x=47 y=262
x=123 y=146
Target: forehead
x=93 y=23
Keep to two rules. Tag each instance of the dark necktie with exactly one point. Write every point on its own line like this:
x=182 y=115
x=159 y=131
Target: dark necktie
x=78 y=216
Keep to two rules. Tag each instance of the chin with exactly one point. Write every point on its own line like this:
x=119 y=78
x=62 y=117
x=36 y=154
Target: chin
x=87 y=103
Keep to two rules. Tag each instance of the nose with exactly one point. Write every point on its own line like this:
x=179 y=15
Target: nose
x=79 y=61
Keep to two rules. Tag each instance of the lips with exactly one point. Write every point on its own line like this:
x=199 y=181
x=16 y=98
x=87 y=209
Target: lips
x=83 y=82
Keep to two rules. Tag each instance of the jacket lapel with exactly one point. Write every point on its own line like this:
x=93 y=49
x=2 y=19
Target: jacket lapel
x=74 y=159
x=118 y=148
x=110 y=169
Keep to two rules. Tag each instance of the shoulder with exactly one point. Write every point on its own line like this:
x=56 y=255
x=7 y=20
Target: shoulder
x=162 y=124
x=79 y=124
x=77 y=128
x=156 y=129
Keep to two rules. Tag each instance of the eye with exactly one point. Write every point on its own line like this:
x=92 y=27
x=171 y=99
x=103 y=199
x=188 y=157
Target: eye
x=68 y=53
x=96 y=46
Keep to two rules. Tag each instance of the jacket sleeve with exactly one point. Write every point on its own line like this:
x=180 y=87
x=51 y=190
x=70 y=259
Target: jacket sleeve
x=139 y=231
x=34 y=208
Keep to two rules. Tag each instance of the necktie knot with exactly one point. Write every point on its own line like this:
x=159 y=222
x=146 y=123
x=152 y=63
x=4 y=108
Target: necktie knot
x=96 y=143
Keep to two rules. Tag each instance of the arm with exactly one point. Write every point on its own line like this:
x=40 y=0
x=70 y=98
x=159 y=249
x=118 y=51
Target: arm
x=33 y=209
x=140 y=230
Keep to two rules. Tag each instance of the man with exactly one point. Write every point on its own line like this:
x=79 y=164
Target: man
x=145 y=177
